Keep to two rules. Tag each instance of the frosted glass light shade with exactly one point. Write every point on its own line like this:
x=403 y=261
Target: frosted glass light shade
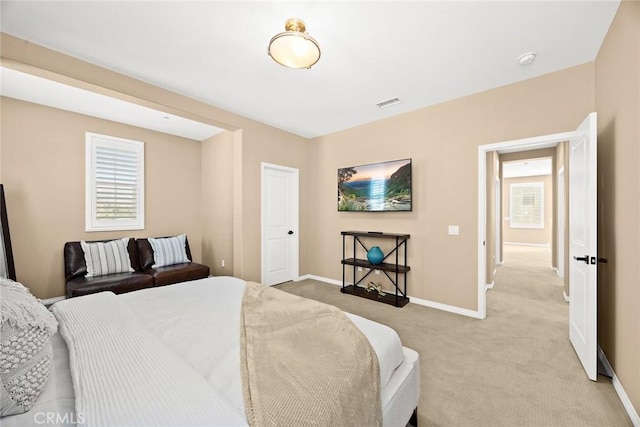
x=294 y=48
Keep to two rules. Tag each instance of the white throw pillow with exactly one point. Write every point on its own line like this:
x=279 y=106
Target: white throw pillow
x=25 y=350
x=169 y=250
x=106 y=257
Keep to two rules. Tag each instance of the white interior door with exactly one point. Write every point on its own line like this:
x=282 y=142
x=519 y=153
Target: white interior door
x=583 y=245
x=279 y=224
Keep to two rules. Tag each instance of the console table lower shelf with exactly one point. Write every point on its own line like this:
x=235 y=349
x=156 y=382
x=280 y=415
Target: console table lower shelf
x=391 y=299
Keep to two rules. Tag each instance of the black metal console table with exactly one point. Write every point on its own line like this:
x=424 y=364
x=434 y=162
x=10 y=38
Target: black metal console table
x=398 y=269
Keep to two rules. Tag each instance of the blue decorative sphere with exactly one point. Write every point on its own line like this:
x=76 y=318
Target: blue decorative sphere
x=375 y=255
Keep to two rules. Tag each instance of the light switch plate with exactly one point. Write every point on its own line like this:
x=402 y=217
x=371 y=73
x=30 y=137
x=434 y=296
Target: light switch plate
x=454 y=230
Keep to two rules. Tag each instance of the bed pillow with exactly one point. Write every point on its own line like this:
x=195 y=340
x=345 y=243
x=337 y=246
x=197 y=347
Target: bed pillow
x=106 y=257
x=169 y=250
x=25 y=350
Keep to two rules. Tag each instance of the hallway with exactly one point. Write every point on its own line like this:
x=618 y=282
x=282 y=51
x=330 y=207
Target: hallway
x=526 y=274
x=527 y=306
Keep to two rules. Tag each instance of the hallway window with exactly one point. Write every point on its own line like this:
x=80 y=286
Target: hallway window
x=526 y=208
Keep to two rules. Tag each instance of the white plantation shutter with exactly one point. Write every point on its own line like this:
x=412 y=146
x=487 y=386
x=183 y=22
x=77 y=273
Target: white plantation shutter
x=527 y=205
x=115 y=188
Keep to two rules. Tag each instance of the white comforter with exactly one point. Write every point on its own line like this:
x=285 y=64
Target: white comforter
x=191 y=332
x=124 y=375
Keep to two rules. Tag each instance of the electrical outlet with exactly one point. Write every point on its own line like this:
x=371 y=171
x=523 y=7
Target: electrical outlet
x=359 y=268
x=222 y=263
x=376 y=271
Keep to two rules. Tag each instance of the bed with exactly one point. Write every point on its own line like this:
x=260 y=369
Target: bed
x=176 y=318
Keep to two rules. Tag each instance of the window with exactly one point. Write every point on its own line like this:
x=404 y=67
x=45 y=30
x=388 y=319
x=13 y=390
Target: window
x=527 y=205
x=114 y=183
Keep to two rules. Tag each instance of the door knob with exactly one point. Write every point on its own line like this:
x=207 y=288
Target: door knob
x=290 y=232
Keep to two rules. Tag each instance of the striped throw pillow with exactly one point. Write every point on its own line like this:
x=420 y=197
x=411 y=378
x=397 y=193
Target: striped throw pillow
x=169 y=250
x=106 y=257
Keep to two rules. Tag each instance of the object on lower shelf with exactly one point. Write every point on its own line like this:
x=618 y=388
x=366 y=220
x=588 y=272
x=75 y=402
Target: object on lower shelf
x=375 y=255
x=373 y=287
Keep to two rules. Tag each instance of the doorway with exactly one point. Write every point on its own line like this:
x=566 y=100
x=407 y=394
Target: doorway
x=581 y=225
x=280 y=212
x=513 y=149
x=528 y=202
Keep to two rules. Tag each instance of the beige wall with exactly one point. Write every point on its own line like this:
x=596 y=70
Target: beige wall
x=257 y=142
x=443 y=142
x=617 y=89
x=536 y=236
x=217 y=158
x=43 y=172
x=283 y=149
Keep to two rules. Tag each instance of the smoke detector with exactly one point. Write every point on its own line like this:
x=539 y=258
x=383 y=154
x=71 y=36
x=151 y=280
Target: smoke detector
x=527 y=58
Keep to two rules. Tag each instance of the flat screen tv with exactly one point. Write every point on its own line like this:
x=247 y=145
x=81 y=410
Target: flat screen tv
x=376 y=187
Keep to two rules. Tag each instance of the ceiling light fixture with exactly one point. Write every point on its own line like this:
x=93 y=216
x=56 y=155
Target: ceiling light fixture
x=527 y=58
x=294 y=48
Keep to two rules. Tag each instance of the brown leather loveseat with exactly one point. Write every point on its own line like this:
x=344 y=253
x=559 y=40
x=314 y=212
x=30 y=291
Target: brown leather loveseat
x=144 y=276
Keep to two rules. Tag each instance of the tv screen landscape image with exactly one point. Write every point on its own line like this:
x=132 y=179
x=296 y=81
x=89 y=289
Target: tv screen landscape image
x=376 y=187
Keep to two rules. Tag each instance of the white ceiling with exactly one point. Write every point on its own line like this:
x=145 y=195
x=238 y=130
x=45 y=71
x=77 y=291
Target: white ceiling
x=423 y=52
x=533 y=167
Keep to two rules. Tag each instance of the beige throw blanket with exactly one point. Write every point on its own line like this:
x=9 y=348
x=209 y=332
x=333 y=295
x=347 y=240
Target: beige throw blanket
x=305 y=363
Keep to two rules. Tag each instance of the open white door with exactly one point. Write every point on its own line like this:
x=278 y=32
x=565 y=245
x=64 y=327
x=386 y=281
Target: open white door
x=583 y=245
x=279 y=224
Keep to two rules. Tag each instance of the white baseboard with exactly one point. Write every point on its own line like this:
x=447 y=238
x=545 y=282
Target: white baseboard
x=557 y=272
x=565 y=296
x=446 y=307
x=53 y=300
x=617 y=386
x=419 y=301
x=319 y=279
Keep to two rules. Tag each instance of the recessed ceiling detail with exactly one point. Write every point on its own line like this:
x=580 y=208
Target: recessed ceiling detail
x=26 y=87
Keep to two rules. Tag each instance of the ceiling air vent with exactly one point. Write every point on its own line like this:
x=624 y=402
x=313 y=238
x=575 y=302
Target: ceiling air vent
x=388 y=103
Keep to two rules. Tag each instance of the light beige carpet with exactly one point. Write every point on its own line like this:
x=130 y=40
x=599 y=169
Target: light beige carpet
x=515 y=368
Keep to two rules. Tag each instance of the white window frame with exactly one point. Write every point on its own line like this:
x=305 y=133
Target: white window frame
x=92 y=223
x=539 y=185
